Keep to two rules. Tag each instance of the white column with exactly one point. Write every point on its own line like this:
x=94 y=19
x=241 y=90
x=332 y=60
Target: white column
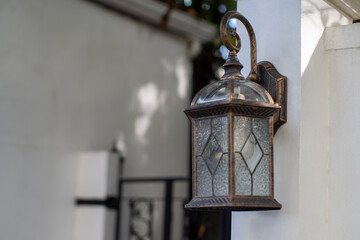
x=97 y=176
x=316 y=152
x=343 y=53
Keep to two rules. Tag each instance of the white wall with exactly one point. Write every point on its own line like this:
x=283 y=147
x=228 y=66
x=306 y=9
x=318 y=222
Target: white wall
x=343 y=53
x=325 y=160
x=329 y=133
x=314 y=142
x=277 y=28
x=73 y=77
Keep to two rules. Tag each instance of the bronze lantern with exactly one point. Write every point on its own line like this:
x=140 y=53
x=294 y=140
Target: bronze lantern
x=233 y=124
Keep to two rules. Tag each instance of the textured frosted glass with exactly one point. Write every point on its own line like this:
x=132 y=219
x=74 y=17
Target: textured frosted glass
x=261 y=178
x=214 y=92
x=261 y=131
x=242 y=127
x=242 y=177
x=203 y=131
x=221 y=178
x=212 y=158
x=251 y=152
x=203 y=179
x=212 y=154
x=220 y=131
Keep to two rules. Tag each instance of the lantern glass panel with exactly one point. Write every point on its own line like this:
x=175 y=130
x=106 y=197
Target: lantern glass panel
x=242 y=89
x=260 y=128
x=212 y=157
x=242 y=177
x=221 y=177
x=252 y=159
x=203 y=130
x=246 y=90
x=261 y=178
x=203 y=178
x=214 y=92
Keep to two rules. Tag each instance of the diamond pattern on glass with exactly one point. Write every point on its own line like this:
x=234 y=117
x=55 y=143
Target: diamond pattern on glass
x=261 y=178
x=212 y=154
x=219 y=130
x=252 y=152
x=252 y=156
x=211 y=143
x=203 y=131
x=261 y=131
x=221 y=177
x=242 y=129
x=203 y=179
x=242 y=177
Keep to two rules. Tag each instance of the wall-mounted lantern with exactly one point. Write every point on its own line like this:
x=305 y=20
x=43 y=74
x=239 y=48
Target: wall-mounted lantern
x=233 y=124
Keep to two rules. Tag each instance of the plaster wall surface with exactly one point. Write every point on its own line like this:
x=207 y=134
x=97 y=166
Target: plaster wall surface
x=328 y=152
x=326 y=163
x=314 y=142
x=278 y=41
x=344 y=166
x=329 y=129
x=73 y=78
x=329 y=168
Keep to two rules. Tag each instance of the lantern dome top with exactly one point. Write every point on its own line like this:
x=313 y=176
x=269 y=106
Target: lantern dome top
x=232 y=89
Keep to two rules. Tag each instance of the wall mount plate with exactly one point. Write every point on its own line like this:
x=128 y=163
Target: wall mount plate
x=276 y=85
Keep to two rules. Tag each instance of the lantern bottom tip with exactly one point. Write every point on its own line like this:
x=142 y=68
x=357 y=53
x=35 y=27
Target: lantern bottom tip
x=240 y=203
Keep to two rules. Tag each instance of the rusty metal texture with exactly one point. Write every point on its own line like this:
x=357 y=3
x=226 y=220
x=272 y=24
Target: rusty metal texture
x=224 y=33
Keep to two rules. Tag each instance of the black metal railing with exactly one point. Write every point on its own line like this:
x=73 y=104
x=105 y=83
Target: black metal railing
x=136 y=215
x=146 y=216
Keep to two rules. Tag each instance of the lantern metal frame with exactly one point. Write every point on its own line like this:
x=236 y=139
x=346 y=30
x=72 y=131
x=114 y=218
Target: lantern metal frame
x=263 y=74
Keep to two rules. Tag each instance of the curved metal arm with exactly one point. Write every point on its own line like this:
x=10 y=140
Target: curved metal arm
x=253 y=75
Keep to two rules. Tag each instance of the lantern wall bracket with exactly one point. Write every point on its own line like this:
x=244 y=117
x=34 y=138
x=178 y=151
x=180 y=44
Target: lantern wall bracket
x=276 y=85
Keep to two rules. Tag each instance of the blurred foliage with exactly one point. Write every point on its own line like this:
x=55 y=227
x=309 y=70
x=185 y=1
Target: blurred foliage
x=211 y=11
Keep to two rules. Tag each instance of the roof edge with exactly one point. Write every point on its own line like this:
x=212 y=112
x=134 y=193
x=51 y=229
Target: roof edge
x=349 y=8
x=153 y=12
